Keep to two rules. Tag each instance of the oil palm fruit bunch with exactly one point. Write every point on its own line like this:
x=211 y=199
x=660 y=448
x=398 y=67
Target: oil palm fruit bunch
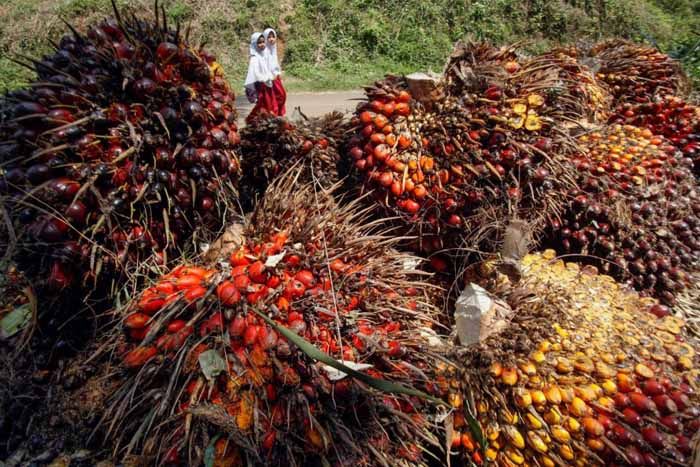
x=636 y=214
x=118 y=153
x=205 y=340
x=582 y=375
x=573 y=93
x=670 y=116
x=635 y=72
x=454 y=168
x=271 y=145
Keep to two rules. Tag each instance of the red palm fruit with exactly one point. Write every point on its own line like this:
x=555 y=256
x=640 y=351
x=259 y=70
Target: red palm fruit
x=238 y=258
x=136 y=320
x=294 y=289
x=165 y=287
x=195 y=293
x=251 y=334
x=228 y=293
x=665 y=404
x=150 y=304
x=256 y=272
x=411 y=206
x=242 y=282
x=188 y=281
x=238 y=326
x=366 y=117
x=139 y=356
x=257 y=291
x=306 y=277
x=402 y=108
x=176 y=325
x=641 y=402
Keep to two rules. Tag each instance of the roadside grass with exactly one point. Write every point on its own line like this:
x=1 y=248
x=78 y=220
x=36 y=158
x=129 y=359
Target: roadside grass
x=344 y=44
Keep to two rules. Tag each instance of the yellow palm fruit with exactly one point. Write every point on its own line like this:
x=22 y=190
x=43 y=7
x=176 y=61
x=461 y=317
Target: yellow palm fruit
x=553 y=395
x=578 y=407
x=609 y=387
x=534 y=422
x=514 y=436
x=515 y=455
x=538 y=397
x=522 y=398
x=491 y=454
x=509 y=376
x=560 y=434
x=566 y=452
x=537 y=356
x=572 y=425
x=536 y=442
x=528 y=368
x=553 y=416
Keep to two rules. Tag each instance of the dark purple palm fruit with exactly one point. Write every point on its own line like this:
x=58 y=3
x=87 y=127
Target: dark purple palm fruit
x=122 y=150
x=635 y=217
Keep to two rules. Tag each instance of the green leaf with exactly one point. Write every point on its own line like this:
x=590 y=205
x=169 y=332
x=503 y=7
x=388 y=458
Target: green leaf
x=212 y=364
x=210 y=452
x=15 y=321
x=476 y=431
x=312 y=352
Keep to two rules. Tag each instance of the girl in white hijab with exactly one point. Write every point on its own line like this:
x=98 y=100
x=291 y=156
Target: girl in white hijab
x=258 y=82
x=274 y=67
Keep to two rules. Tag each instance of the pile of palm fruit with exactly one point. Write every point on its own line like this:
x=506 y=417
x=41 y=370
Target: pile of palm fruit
x=313 y=337
x=118 y=154
x=575 y=380
x=209 y=333
x=493 y=145
x=636 y=211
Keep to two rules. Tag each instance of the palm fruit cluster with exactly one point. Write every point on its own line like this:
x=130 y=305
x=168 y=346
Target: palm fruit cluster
x=670 y=116
x=636 y=214
x=315 y=269
x=635 y=72
x=454 y=167
x=118 y=152
x=272 y=145
x=578 y=381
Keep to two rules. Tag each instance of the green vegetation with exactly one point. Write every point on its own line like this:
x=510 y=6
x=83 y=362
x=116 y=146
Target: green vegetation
x=337 y=44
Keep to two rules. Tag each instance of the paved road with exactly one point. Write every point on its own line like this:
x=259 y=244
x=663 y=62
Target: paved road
x=312 y=104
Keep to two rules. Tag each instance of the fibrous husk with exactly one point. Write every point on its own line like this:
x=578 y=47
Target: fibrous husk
x=218 y=369
x=118 y=156
x=582 y=374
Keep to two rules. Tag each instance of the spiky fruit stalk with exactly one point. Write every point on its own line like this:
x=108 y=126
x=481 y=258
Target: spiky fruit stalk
x=317 y=270
x=272 y=145
x=118 y=154
x=582 y=375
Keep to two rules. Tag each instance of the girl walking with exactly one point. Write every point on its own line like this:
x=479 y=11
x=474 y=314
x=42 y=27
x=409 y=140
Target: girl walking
x=258 y=82
x=274 y=66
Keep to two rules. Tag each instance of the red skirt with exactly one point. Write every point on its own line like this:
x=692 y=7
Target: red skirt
x=266 y=103
x=280 y=96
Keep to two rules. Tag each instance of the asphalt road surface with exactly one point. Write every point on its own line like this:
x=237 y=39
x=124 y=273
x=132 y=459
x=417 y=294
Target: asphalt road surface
x=312 y=104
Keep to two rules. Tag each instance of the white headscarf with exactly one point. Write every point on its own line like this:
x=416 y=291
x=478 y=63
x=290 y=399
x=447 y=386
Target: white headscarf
x=271 y=53
x=257 y=67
